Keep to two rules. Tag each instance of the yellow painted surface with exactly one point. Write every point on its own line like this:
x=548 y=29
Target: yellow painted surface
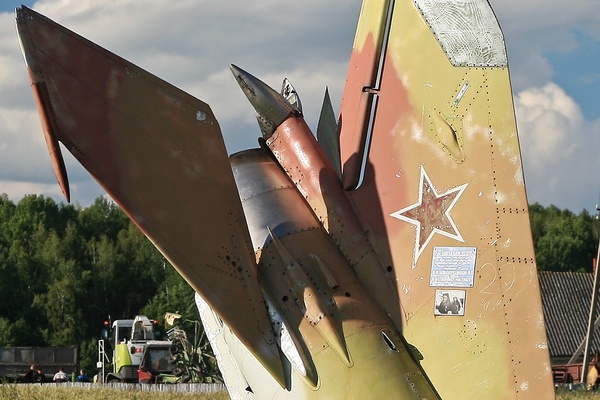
x=498 y=349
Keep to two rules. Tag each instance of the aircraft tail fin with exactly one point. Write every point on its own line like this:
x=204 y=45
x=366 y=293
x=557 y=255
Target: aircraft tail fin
x=159 y=153
x=431 y=163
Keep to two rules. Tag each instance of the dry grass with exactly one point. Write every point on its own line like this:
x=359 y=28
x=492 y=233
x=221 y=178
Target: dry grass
x=578 y=394
x=94 y=392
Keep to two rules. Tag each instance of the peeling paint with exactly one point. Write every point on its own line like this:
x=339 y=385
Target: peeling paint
x=467 y=31
x=500 y=197
x=519 y=176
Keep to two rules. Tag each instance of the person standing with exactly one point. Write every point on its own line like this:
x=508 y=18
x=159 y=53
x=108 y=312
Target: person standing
x=41 y=375
x=82 y=377
x=32 y=375
x=60 y=376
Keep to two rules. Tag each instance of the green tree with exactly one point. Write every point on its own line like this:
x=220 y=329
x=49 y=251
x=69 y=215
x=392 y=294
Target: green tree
x=562 y=240
x=67 y=268
x=6 y=338
x=103 y=218
x=173 y=295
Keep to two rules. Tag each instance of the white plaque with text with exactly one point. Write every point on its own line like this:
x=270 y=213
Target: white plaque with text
x=453 y=266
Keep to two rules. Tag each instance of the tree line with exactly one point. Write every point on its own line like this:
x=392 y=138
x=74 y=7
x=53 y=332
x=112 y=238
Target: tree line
x=563 y=241
x=65 y=269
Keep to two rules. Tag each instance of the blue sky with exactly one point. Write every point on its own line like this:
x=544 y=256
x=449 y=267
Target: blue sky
x=578 y=72
x=553 y=48
x=9 y=5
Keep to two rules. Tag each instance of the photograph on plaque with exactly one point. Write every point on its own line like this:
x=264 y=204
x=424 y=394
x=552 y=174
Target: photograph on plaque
x=453 y=266
x=449 y=302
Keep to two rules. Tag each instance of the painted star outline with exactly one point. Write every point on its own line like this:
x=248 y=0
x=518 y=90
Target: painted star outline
x=426 y=214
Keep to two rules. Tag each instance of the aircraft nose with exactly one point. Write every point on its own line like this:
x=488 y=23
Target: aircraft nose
x=271 y=107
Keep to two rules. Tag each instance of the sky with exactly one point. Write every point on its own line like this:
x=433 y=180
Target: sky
x=553 y=50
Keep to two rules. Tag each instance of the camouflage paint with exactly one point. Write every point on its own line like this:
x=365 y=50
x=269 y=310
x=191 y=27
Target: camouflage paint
x=442 y=170
x=456 y=125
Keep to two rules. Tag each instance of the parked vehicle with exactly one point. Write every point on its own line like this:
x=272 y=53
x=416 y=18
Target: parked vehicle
x=122 y=347
x=16 y=361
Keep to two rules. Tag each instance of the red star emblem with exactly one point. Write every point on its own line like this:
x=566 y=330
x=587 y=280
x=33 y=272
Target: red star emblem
x=431 y=214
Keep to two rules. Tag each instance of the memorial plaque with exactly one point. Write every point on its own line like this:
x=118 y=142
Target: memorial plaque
x=453 y=266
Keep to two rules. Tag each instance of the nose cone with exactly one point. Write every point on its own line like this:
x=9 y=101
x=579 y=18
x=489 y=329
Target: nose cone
x=271 y=107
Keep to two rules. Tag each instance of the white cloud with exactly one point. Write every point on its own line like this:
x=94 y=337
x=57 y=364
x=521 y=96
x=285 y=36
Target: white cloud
x=190 y=43
x=18 y=190
x=549 y=120
x=559 y=149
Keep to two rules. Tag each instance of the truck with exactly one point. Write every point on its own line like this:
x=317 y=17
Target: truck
x=122 y=347
x=16 y=361
x=138 y=351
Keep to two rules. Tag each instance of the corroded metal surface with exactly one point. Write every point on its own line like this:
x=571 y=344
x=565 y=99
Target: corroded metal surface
x=445 y=173
x=411 y=276
x=159 y=153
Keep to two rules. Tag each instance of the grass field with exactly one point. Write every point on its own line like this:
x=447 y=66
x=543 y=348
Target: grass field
x=579 y=394
x=50 y=392
x=94 y=392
